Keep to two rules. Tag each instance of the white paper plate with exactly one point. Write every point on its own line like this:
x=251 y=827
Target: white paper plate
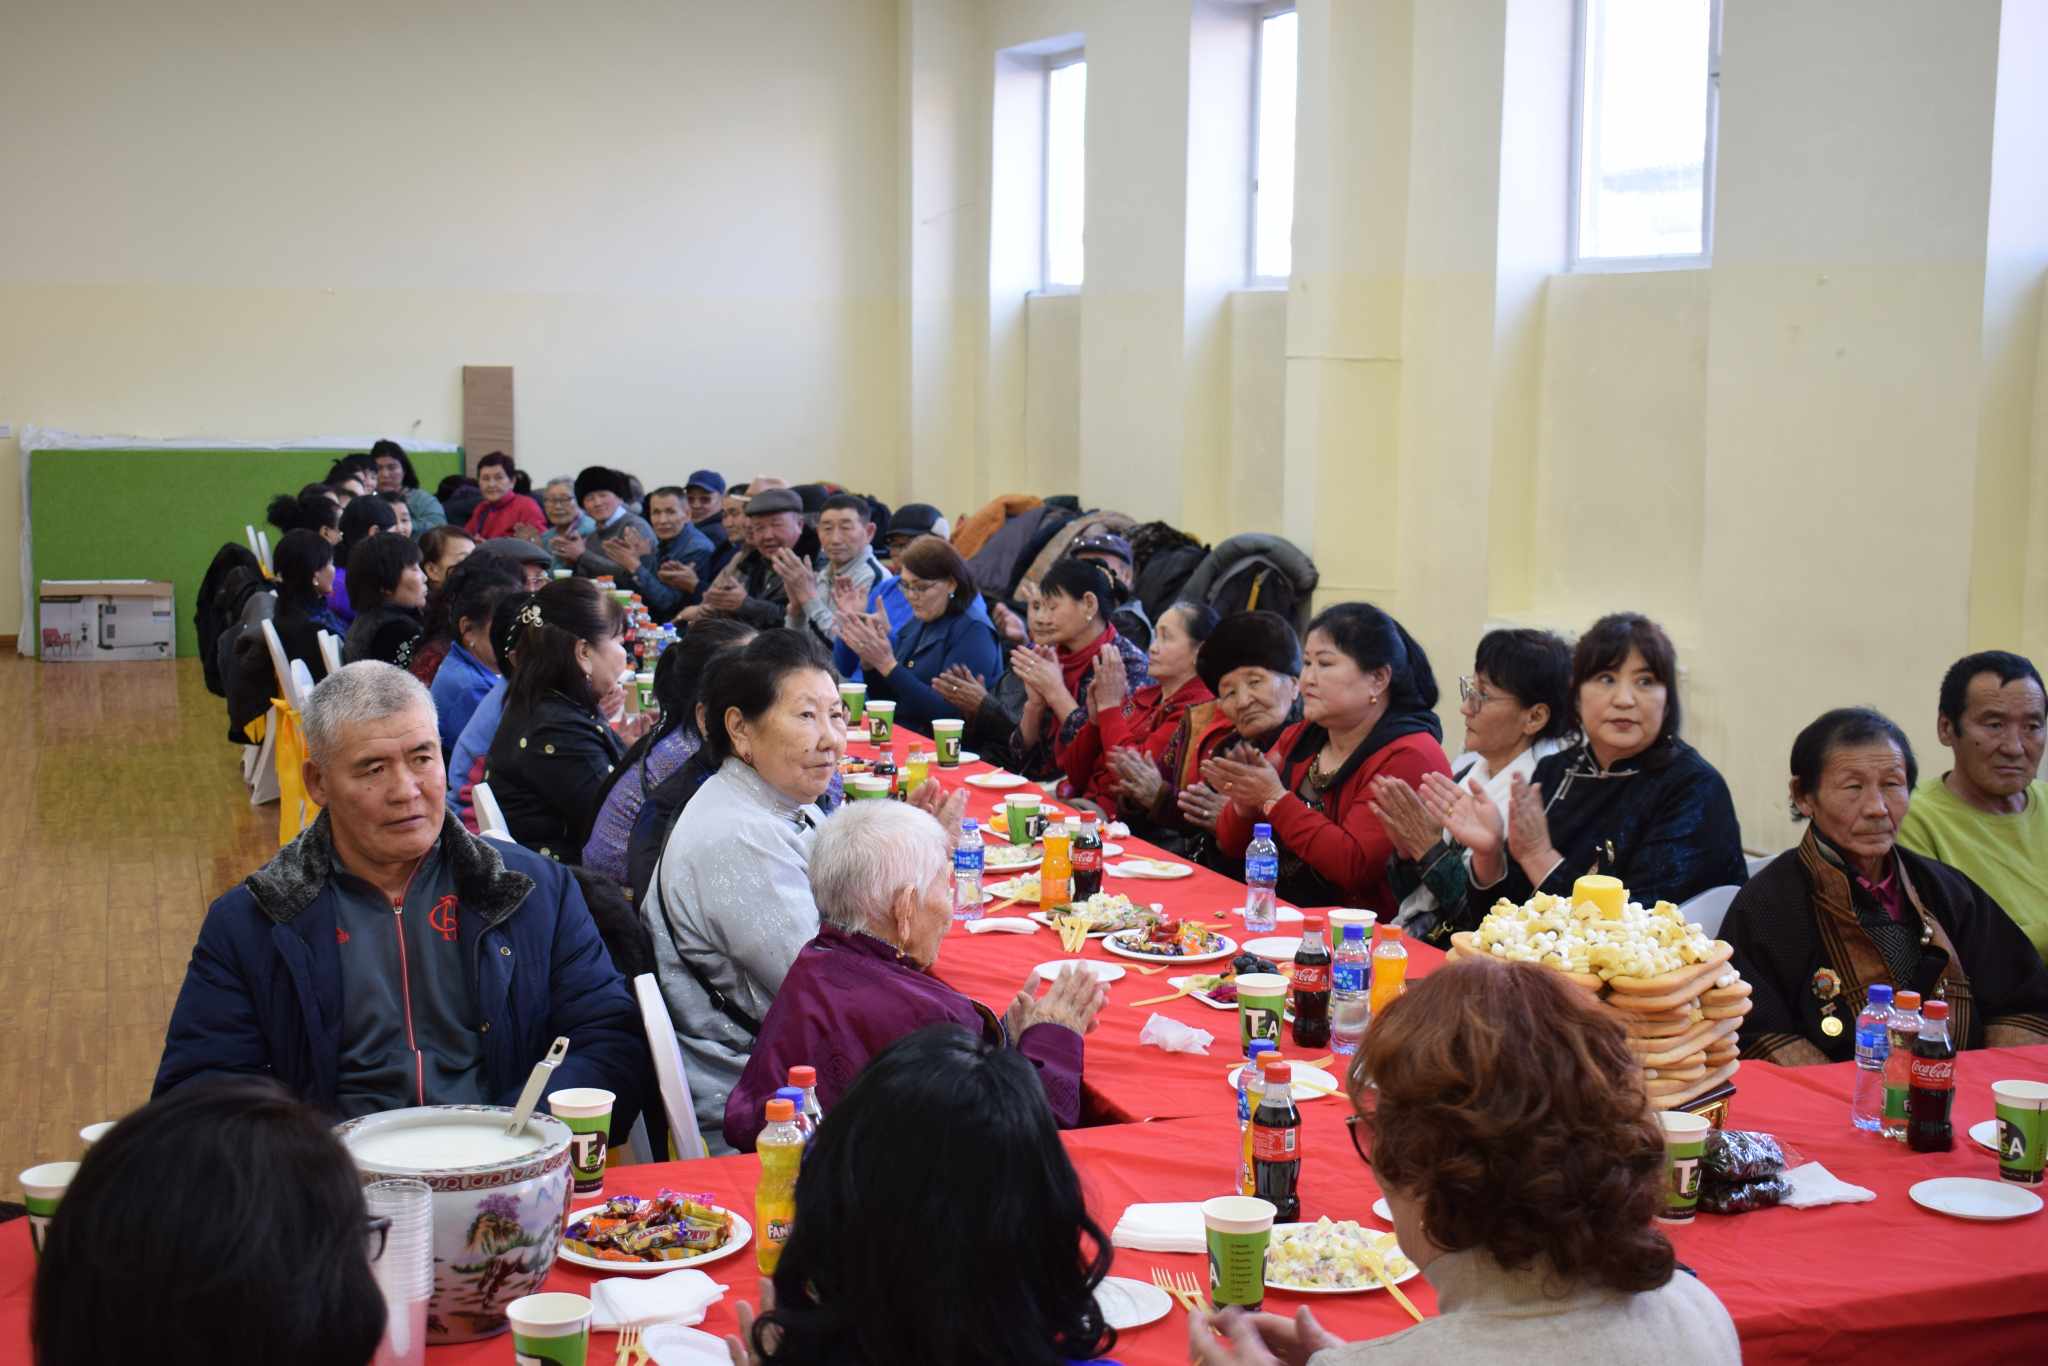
x=857 y=737
x=1126 y=1303
x=1228 y=950
x=1047 y=919
x=1204 y=997
x=1007 y=886
x=1104 y=972
x=1278 y=947
x=1284 y=914
x=1984 y=1133
x=968 y=756
x=1410 y=1274
x=1032 y=861
x=996 y=779
x=1970 y=1197
x=1382 y=1210
x=742 y=1231
x=1159 y=870
x=1309 y=1084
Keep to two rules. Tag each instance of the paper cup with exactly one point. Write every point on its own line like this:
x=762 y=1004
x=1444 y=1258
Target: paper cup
x=947 y=735
x=881 y=722
x=864 y=787
x=1350 y=915
x=1021 y=818
x=560 y=573
x=41 y=1189
x=1685 y=1140
x=587 y=1110
x=1261 y=1006
x=552 y=1328
x=644 y=684
x=2022 y=1109
x=93 y=1133
x=855 y=695
x=1238 y=1228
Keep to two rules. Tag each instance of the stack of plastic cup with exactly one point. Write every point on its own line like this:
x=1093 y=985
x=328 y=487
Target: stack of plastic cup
x=405 y=1272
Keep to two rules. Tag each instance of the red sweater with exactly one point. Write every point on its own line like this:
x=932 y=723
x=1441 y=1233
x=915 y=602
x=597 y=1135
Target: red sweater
x=492 y=520
x=1344 y=842
x=1146 y=721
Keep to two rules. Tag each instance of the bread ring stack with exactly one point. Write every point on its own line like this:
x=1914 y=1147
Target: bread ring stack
x=1682 y=1022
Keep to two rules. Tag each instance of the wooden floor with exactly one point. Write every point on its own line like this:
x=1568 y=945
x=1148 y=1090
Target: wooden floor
x=122 y=813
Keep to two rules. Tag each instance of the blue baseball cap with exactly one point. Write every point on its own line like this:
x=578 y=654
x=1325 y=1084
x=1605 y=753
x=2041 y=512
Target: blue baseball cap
x=709 y=480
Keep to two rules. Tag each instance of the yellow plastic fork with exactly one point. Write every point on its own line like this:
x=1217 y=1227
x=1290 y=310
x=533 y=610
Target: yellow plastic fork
x=629 y=1347
x=1165 y=1282
x=1197 y=1294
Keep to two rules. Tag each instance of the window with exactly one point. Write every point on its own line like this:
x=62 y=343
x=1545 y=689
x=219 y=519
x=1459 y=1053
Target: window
x=1066 y=166
x=1643 y=160
x=1273 y=73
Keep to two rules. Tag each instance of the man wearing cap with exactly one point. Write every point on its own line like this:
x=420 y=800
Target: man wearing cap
x=911 y=521
x=1113 y=553
x=705 y=490
x=668 y=572
x=750 y=588
x=532 y=560
x=602 y=493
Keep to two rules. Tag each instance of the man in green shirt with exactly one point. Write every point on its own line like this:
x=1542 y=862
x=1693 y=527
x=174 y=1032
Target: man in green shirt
x=1988 y=816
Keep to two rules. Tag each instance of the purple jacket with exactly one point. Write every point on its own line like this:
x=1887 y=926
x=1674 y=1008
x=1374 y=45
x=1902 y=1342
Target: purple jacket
x=849 y=996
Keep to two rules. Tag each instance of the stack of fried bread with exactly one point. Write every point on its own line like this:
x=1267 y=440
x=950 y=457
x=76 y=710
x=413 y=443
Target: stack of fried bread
x=1667 y=983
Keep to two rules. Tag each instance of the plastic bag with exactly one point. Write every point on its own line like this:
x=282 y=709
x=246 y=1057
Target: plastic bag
x=1740 y=1197
x=1736 y=1155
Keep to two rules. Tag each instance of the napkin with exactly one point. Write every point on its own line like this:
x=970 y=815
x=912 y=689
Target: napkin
x=1813 y=1185
x=675 y=1297
x=1003 y=924
x=1117 y=830
x=1162 y=1228
x=1175 y=1037
x=671 y=1344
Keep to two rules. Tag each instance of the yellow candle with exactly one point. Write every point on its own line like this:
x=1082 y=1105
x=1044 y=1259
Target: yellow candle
x=1605 y=892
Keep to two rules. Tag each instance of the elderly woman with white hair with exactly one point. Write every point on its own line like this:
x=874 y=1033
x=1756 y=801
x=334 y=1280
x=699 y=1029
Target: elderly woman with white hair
x=881 y=873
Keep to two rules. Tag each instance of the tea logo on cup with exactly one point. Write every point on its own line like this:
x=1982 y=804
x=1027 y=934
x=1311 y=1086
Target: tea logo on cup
x=1261 y=1006
x=855 y=695
x=2022 y=1109
x=1238 y=1228
x=881 y=722
x=587 y=1110
x=1685 y=1143
x=1021 y=817
x=947 y=735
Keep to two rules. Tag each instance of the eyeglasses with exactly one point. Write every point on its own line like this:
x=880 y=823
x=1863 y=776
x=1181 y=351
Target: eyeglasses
x=917 y=588
x=1470 y=691
x=1354 y=1124
x=379 y=1229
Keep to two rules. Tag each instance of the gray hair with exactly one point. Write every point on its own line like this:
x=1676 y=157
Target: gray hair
x=367 y=690
x=558 y=479
x=869 y=852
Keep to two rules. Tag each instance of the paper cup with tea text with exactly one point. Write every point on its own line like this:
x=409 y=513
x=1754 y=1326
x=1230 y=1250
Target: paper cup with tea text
x=41 y=1190
x=947 y=735
x=1685 y=1142
x=1261 y=1006
x=881 y=722
x=864 y=787
x=2022 y=1109
x=551 y=1328
x=1020 y=816
x=587 y=1110
x=1238 y=1229
x=855 y=695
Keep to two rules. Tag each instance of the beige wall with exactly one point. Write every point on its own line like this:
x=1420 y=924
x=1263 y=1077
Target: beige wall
x=678 y=222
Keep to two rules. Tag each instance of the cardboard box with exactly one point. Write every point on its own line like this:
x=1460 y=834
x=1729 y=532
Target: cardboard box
x=98 y=620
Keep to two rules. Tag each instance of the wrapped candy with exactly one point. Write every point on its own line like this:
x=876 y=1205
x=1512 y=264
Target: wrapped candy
x=1737 y=1155
x=1740 y=1197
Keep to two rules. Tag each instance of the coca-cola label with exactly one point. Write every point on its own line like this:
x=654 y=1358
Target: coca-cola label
x=1270 y=1144
x=1087 y=860
x=1311 y=976
x=1934 y=1074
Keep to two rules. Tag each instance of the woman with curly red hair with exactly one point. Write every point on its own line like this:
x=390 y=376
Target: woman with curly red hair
x=1507 y=1124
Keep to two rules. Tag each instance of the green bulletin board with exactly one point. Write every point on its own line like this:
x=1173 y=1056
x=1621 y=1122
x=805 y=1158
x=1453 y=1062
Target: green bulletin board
x=163 y=514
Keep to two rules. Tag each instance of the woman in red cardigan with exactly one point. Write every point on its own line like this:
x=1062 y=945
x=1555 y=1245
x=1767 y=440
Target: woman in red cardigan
x=502 y=512
x=1367 y=695
x=1124 y=724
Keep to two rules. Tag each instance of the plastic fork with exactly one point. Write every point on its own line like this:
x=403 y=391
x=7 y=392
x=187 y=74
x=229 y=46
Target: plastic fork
x=630 y=1350
x=1197 y=1294
x=1165 y=1282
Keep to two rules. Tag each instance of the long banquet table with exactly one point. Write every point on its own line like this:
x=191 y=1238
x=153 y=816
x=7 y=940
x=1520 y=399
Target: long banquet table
x=1802 y=1285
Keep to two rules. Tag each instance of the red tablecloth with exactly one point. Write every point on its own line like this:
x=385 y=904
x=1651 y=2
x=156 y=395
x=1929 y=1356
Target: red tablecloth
x=1802 y=1285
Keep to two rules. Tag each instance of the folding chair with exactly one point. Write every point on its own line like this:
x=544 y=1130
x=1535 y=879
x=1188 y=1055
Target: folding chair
x=490 y=821
x=684 y=1135
x=1709 y=908
x=330 y=650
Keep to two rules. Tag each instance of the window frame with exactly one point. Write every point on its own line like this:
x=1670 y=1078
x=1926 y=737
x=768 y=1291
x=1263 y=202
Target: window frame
x=1055 y=61
x=1578 y=263
x=1254 y=280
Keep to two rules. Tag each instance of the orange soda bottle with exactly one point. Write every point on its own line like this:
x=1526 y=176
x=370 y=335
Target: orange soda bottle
x=1389 y=967
x=1056 y=874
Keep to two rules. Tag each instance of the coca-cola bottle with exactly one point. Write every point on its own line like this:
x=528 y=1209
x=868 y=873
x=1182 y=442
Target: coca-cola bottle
x=1928 y=1129
x=1312 y=986
x=1087 y=858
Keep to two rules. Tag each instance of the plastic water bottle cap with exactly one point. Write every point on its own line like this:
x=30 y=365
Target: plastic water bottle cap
x=1354 y=933
x=969 y=827
x=1262 y=831
x=1881 y=994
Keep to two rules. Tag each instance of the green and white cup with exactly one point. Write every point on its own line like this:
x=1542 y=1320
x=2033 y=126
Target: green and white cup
x=1020 y=816
x=881 y=722
x=855 y=696
x=1261 y=1008
x=1239 y=1228
x=865 y=787
x=1685 y=1143
x=947 y=735
x=41 y=1189
x=2022 y=1109
x=643 y=684
x=587 y=1110
x=550 y=1329
x=561 y=573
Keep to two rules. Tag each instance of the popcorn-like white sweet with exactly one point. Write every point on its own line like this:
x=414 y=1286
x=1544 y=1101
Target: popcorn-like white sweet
x=1644 y=942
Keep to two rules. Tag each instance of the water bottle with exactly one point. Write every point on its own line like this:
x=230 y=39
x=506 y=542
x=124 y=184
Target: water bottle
x=1247 y=1084
x=1873 y=1046
x=1261 y=876
x=1348 y=1013
x=1898 y=1065
x=967 y=856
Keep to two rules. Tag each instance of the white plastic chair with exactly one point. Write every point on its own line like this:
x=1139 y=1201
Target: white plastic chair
x=287 y=683
x=249 y=530
x=684 y=1135
x=259 y=763
x=1709 y=908
x=490 y=820
x=263 y=549
x=1760 y=862
x=330 y=650
x=302 y=677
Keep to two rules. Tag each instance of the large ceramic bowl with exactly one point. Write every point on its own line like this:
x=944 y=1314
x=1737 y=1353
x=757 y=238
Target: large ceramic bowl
x=497 y=1221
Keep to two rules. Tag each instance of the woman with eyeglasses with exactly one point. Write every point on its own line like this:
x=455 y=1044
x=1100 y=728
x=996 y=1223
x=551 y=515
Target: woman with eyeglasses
x=948 y=627
x=1506 y=1123
x=1517 y=708
x=259 y=1251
